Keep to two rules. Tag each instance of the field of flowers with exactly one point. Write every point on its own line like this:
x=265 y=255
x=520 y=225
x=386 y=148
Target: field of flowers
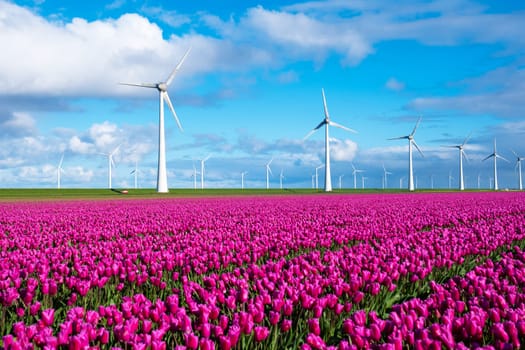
x=422 y=271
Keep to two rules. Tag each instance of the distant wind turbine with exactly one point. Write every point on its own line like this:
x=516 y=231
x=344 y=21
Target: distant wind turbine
x=281 y=177
x=479 y=181
x=194 y=176
x=162 y=87
x=363 y=182
x=135 y=172
x=354 y=173
x=111 y=164
x=495 y=155
x=450 y=178
x=518 y=165
x=59 y=170
x=243 y=174
x=411 y=141
x=313 y=181
x=327 y=122
x=340 y=180
x=461 y=155
x=317 y=176
x=268 y=173
x=385 y=176
x=202 y=170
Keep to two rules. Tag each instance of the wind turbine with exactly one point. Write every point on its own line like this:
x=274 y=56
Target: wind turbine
x=242 y=179
x=162 y=87
x=340 y=178
x=411 y=141
x=268 y=173
x=518 y=165
x=385 y=172
x=363 y=182
x=461 y=155
x=202 y=170
x=450 y=178
x=327 y=122
x=495 y=155
x=136 y=173
x=313 y=181
x=60 y=170
x=479 y=181
x=317 y=176
x=354 y=173
x=281 y=177
x=194 y=175
x=111 y=164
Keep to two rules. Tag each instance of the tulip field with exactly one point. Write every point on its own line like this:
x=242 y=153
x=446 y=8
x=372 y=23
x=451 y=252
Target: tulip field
x=338 y=271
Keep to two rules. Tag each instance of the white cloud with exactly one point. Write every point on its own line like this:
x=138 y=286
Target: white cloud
x=104 y=135
x=76 y=145
x=18 y=124
x=342 y=150
x=394 y=84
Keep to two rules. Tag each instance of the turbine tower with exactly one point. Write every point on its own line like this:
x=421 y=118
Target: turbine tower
x=495 y=155
x=194 y=175
x=340 y=178
x=518 y=165
x=281 y=177
x=327 y=122
x=162 y=87
x=461 y=155
x=354 y=173
x=363 y=182
x=268 y=173
x=60 y=170
x=411 y=141
x=202 y=170
x=385 y=173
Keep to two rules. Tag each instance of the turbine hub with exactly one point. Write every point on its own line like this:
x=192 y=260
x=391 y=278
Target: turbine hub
x=162 y=86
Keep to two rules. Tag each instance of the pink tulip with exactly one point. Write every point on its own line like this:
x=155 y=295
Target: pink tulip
x=315 y=341
x=261 y=333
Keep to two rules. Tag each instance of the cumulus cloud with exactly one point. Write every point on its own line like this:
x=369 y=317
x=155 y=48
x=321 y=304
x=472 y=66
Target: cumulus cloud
x=17 y=124
x=76 y=145
x=343 y=150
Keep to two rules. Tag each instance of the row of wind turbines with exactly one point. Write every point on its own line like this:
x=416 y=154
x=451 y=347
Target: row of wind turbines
x=162 y=182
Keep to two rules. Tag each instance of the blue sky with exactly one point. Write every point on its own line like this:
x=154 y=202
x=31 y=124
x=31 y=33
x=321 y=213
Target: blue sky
x=250 y=89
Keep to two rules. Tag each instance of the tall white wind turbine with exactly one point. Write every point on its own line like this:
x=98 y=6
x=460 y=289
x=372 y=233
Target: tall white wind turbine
x=354 y=173
x=518 y=165
x=202 y=170
x=495 y=155
x=327 y=122
x=411 y=141
x=385 y=176
x=268 y=173
x=60 y=170
x=461 y=155
x=162 y=87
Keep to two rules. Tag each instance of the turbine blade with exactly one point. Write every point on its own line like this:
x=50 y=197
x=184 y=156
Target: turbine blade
x=207 y=157
x=415 y=127
x=327 y=116
x=500 y=157
x=466 y=139
x=144 y=85
x=112 y=162
x=342 y=127
x=132 y=172
x=270 y=162
x=464 y=155
x=314 y=130
x=115 y=150
x=172 y=75
x=269 y=169
x=514 y=153
x=166 y=98
x=61 y=160
x=487 y=157
x=417 y=147
x=399 y=138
